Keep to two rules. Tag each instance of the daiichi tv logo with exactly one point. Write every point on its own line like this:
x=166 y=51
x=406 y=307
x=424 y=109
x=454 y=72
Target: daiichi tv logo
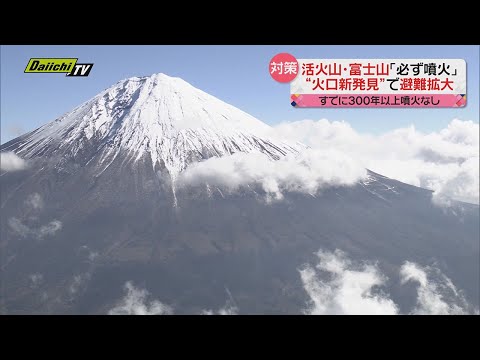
x=58 y=65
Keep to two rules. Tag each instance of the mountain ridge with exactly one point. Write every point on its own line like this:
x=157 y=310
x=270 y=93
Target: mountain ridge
x=162 y=117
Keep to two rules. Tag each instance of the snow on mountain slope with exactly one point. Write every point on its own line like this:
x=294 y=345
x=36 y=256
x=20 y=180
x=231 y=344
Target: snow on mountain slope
x=158 y=116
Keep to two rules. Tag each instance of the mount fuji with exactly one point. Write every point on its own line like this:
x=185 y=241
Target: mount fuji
x=99 y=207
x=159 y=117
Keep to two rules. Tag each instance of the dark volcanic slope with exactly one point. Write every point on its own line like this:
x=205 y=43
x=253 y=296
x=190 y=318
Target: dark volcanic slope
x=186 y=256
x=95 y=209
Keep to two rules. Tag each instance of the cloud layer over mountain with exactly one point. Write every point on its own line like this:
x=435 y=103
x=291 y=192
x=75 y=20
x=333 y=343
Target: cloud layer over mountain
x=9 y=161
x=135 y=303
x=338 y=285
x=349 y=290
x=446 y=161
x=306 y=173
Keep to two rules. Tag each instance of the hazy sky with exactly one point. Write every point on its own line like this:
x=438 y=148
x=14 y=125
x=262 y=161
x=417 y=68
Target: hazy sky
x=235 y=74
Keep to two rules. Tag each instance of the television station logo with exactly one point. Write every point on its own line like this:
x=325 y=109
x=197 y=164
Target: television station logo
x=69 y=66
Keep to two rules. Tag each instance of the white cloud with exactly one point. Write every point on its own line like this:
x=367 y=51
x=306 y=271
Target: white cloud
x=134 y=303
x=18 y=227
x=349 y=291
x=306 y=173
x=9 y=161
x=431 y=294
x=338 y=285
x=446 y=161
x=228 y=309
x=22 y=230
x=92 y=255
x=36 y=279
x=34 y=201
x=49 y=229
x=78 y=281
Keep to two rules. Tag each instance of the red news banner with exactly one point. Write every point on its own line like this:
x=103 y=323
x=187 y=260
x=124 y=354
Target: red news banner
x=379 y=83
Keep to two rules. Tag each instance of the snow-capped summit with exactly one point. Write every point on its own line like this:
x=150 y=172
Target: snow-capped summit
x=158 y=116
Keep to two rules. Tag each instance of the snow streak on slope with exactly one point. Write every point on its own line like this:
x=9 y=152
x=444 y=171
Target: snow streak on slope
x=159 y=116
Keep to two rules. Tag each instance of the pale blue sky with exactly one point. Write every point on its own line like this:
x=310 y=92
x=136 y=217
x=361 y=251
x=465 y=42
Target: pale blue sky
x=235 y=74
